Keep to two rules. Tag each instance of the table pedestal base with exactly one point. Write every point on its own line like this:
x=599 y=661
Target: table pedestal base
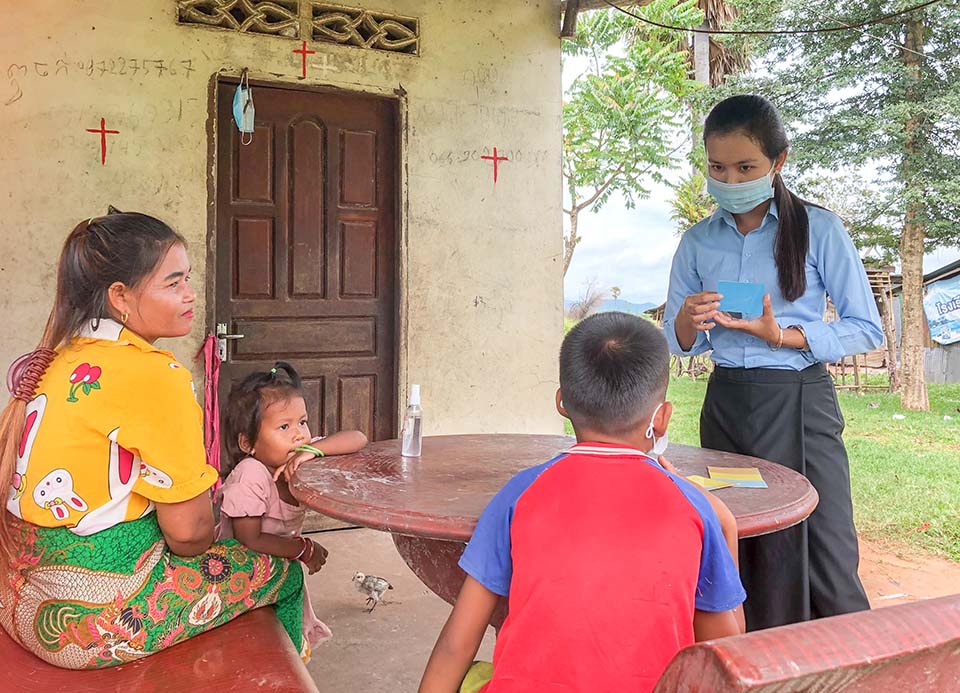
x=434 y=561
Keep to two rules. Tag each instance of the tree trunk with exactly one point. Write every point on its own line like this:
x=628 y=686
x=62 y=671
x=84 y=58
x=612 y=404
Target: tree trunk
x=701 y=56
x=701 y=74
x=890 y=337
x=913 y=394
x=570 y=242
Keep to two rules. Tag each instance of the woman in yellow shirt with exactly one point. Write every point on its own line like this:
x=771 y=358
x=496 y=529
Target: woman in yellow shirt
x=109 y=527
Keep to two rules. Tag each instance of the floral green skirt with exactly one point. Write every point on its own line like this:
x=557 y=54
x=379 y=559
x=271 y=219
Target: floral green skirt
x=119 y=595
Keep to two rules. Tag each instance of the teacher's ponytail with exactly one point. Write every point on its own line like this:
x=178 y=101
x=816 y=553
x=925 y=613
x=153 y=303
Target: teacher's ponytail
x=793 y=241
x=757 y=118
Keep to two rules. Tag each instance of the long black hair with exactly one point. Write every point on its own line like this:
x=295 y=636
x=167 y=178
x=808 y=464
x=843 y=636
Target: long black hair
x=118 y=247
x=757 y=118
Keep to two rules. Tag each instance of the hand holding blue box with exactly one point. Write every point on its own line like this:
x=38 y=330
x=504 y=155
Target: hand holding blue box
x=741 y=297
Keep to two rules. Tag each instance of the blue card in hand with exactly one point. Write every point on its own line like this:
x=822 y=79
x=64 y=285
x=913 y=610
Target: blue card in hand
x=741 y=297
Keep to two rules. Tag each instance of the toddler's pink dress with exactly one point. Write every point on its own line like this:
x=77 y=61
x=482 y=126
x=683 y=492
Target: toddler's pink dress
x=250 y=491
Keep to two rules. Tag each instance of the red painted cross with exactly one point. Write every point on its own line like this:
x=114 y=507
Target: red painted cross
x=496 y=162
x=304 y=52
x=103 y=139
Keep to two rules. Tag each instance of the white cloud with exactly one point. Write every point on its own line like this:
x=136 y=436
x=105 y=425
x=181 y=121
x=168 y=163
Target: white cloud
x=631 y=249
x=937 y=259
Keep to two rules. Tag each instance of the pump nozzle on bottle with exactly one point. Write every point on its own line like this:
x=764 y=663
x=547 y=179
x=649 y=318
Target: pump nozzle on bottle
x=412 y=425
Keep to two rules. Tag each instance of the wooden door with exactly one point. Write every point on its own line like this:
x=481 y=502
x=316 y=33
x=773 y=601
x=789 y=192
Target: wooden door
x=306 y=250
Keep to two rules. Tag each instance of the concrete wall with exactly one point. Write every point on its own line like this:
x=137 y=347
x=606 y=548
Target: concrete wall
x=481 y=302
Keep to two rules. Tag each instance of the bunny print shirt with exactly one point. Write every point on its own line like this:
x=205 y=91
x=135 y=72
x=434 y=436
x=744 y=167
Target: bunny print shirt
x=113 y=428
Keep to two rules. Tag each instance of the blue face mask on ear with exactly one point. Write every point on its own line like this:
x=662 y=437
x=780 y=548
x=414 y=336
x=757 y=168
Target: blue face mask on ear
x=738 y=198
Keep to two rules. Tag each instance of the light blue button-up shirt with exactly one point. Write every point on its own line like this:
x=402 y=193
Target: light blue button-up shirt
x=714 y=251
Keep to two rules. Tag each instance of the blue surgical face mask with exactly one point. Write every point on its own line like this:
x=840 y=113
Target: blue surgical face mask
x=738 y=198
x=243 y=113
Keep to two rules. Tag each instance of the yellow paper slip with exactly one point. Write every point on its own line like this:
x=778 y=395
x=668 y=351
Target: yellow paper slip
x=744 y=477
x=709 y=484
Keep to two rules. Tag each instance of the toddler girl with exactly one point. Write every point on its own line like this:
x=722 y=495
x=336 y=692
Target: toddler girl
x=268 y=439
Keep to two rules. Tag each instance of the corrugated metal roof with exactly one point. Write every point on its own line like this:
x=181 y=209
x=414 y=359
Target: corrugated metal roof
x=944 y=272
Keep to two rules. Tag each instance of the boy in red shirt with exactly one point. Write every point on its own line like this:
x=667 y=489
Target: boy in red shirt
x=612 y=563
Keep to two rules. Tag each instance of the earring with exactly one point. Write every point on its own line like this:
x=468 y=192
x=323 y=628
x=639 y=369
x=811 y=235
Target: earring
x=123 y=318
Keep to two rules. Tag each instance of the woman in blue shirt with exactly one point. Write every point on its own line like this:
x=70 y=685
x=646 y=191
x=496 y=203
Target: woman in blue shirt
x=770 y=395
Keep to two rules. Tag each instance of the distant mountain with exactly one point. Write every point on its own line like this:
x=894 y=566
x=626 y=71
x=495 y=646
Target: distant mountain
x=619 y=304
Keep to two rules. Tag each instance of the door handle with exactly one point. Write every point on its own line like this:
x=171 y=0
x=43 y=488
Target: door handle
x=222 y=338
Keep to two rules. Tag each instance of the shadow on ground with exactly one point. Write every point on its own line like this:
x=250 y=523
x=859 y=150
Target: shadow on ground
x=386 y=650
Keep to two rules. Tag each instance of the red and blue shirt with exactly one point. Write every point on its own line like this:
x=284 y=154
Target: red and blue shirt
x=604 y=556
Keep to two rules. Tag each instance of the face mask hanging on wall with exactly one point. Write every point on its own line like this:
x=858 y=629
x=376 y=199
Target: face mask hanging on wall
x=243 y=112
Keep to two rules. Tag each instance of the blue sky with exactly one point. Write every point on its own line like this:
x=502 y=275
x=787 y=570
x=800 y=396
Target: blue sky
x=633 y=248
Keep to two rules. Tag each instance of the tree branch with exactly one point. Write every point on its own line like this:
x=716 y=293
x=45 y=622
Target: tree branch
x=602 y=189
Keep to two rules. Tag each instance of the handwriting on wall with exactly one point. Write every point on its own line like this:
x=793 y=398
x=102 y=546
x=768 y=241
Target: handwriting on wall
x=21 y=74
x=483 y=77
x=454 y=157
x=497 y=117
x=496 y=163
x=387 y=66
x=77 y=147
x=148 y=118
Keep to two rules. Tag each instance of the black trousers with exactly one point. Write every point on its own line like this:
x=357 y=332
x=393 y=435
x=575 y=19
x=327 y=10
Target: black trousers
x=792 y=418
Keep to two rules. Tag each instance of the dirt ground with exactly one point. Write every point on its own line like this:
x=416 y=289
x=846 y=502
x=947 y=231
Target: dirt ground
x=385 y=651
x=891 y=575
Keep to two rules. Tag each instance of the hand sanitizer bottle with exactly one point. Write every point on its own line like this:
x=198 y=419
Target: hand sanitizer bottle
x=412 y=425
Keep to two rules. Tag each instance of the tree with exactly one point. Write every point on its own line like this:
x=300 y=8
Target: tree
x=712 y=59
x=590 y=299
x=725 y=57
x=881 y=100
x=691 y=203
x=854 y=197
x=615 y=292
x=625 y=116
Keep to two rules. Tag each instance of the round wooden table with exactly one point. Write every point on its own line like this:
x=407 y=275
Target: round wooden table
x=431 y=504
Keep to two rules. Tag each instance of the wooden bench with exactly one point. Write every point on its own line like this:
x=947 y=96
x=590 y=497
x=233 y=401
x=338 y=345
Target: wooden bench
x=911 y=647
x=251 y=653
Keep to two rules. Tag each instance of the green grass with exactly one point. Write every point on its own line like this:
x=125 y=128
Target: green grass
x=905 y=474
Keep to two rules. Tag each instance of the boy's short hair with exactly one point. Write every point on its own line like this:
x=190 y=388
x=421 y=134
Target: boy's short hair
x=614 y=369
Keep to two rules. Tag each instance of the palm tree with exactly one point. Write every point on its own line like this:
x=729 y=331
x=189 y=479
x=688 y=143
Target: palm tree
x=711 y=61
x=724 y=59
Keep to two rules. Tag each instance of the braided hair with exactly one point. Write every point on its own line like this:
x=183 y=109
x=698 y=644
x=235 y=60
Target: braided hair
x=121 y=247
